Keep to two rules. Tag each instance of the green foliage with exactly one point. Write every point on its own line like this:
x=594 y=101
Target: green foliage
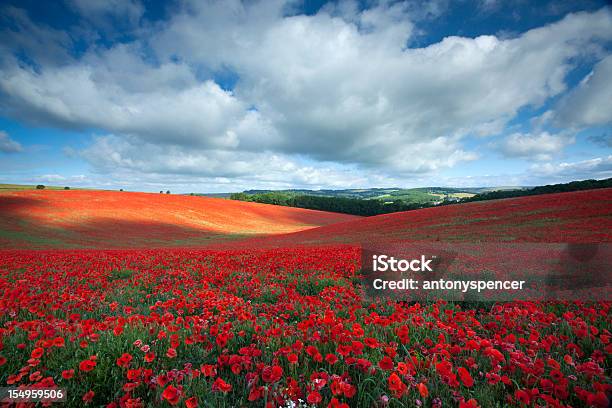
x=334 y=204
x=40 y=187
x=395 y=200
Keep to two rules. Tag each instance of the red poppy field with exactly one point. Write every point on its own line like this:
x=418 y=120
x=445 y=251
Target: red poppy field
x=112 y=219
x=280 y=321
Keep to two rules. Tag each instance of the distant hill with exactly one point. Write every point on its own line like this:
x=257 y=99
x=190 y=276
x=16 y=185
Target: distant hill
x=114 y=219
x=579 y=216
x=377 y=201
x=420 y=195
x=547 y=189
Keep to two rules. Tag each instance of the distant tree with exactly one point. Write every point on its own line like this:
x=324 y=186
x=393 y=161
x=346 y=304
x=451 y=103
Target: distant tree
x=120 y=189
x=345 y=205
x=66 y=188
x=161 y=192
x=40 y=187
x=167 y=191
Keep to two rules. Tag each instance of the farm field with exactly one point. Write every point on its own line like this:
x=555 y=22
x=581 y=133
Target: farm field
x=280 y=320
x=582 y=216
x=112 y=219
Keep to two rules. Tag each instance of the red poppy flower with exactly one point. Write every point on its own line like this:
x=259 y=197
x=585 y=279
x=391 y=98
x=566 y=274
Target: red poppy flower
x=256 y=393
x=444 y=368
x=88 y=397
x=37 y=352
x=272 y=374
x=349 y=390
x=314 y=398
x=59 y=342
x=130 y=403
x=191 y=402
x=67 y=374
x=396 y=386
x=124 y=360
x=162 y=380
x=221 y=385
x=87 y=365
x=472 y=403
x=133 y=375
x=209 y=370
x=172 y=395
x=465 y=377
x=334 y=403
x=221 y=340
x=522 y=396
x=386 y=363
x=331 y=359
x=423 y=390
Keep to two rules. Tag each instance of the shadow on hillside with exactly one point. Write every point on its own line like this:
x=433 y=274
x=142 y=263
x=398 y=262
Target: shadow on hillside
x=142 y=233
x=20 y=230
x=106 y=233
x=17 y=230
x=10 y=204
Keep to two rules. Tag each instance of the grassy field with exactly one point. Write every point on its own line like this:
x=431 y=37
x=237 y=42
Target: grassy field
x=25 y=187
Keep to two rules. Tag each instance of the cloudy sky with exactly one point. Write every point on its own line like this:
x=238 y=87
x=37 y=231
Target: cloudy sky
x=210 y=96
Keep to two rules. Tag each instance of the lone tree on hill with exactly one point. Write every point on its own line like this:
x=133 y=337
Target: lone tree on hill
x=40 y=187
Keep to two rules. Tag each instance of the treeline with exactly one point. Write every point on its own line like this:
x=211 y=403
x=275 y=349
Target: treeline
x=344 y=205
x=356 y=206
x=548 y=189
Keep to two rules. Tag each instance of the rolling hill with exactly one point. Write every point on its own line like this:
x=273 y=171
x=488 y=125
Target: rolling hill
x=421 y=195
x=111 y=219
x=581 y=216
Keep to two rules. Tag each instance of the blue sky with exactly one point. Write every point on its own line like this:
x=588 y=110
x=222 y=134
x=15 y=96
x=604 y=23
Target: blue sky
x=225 y=96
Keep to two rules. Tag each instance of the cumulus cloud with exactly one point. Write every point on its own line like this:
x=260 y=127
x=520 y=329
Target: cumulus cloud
x=589 y=103
x=8 y=145
x=540 y=146
x=341 y=86
x=110 y=154
x=599 y=168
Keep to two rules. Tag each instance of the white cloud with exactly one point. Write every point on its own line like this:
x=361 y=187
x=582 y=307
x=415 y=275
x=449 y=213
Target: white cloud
x=52 y=178
x=119 y=156
x=339 y=86
x=8 y=145
x=539 y=146
x=589 y=104
x=599 y=168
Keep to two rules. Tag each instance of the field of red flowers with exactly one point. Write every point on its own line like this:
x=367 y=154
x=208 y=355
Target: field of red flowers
x=39 y=219
x=288 y=326
x=576 y=217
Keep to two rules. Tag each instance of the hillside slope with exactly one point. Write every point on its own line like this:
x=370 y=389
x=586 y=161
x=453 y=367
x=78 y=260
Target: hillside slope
x=111 y=219
x=582 y=216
